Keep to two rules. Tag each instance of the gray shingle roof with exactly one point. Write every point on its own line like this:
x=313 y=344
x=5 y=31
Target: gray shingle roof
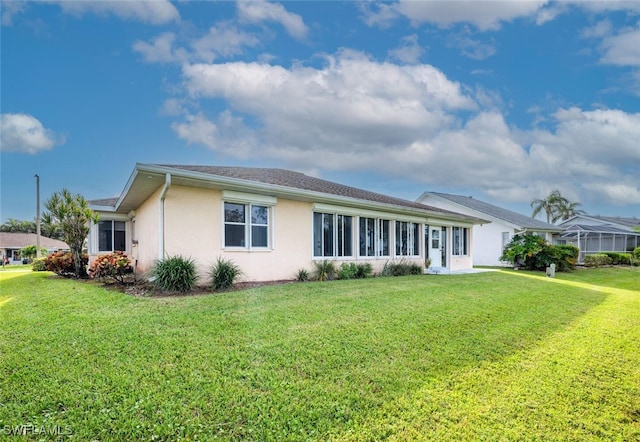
x=20 y=240
x=620 y=220
x=523 y=221
x=297 y=180
x=104 y=202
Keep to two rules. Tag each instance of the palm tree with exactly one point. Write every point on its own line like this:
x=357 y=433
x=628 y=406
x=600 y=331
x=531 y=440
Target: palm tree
x=557 y=207
x=570 y=210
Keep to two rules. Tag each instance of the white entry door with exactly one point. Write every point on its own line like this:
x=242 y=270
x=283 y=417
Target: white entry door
x=435 y=246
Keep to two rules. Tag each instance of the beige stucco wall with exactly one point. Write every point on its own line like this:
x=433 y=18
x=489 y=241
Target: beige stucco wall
x=145 y=232
x=193 y=220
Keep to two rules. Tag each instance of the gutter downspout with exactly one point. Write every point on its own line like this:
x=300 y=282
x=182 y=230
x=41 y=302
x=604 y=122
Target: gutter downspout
x=163 y=194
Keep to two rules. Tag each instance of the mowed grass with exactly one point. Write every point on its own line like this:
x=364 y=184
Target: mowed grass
x=492 y=356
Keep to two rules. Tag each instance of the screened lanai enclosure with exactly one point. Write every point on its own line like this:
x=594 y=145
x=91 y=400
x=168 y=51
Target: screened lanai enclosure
x=600 y=238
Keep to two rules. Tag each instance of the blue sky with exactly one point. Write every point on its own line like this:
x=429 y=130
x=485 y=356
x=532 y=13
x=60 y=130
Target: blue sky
x=504 y=101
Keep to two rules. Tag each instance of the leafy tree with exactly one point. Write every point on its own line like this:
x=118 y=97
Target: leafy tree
x=556 y=207
x=72 y=215
x=532 y=252
x=30 y=252
x=18 y=226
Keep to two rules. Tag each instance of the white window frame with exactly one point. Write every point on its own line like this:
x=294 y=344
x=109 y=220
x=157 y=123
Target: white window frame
x=378 y=237
x=413 y=238
x=460 y=245
x=248 y=226
x=113 y=236
x=337 y=218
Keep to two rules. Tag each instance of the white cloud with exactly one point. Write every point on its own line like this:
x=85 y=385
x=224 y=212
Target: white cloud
x=352 y=102
x=160 y=50
x=409 y=51
x=261 y=10
x=11 y=8
x=622 y=49
x=228 y=135
x=148 y=11
x=600 y=29
x=405 y=121
x=25 y=134
x=483 y=15
x=225 y=40
x=469 y=47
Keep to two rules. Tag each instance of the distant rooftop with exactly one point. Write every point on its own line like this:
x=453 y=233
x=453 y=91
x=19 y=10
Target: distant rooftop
x=523 y=221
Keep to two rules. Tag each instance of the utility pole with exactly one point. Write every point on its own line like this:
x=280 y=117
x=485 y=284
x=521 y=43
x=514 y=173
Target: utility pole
x=37 y=215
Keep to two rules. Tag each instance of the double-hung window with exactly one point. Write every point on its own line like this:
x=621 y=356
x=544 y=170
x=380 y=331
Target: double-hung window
x=111 y=236
x=459 y=241
x=246 y=225
x=407 y=238
x=332 y=235
x=374 y=237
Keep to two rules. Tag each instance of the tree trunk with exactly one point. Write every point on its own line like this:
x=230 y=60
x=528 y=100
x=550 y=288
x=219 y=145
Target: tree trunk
x=81 y=272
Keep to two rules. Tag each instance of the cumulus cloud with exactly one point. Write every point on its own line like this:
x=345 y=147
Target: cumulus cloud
x=10 y=9
x=224 y=39
x=483 y=15
x=160 y=49
x=622 y=49
x=23 y=133
x=472 y=48
x=351 y=103
x=262 y=10
x=409 y=51
x=149 y=11
x=407 y=121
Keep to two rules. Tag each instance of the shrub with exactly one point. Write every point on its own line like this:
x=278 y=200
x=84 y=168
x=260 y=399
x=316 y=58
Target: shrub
x=533 y=253
x=355 y=271
x=400 y=268
x=619 y=258
x=324 y=270
x=116 y=266
x=636 y=253
x=62 y=263
x=597 y=260
x=175 y=273
x=224 y=273
x=302 y=275
x=39 y=265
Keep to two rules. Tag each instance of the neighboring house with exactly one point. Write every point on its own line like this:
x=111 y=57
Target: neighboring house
x=490 y=238
x=595 y=234
x=271 y=222
x=11 y=243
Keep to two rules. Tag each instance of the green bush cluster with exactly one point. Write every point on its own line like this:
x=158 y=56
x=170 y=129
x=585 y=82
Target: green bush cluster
x=302 y=275
x=532 y=252
x=178 y=273
x=619 y=258
x=400 y=268
x=175 y=273
x=355 y=271
x=597 y=260
x=38 y=265
x=62 y=263
x=224 y=273
x=324 y=270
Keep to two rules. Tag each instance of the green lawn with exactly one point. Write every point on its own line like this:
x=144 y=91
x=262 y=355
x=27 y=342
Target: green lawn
x=491 y=356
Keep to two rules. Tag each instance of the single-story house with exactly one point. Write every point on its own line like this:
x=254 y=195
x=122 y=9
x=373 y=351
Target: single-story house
x=596 y=234
x=11 y=243
x=489 y=239
x=271 y=222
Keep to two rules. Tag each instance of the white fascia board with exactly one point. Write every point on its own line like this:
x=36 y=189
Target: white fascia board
x=476 y=213
x=127 y=186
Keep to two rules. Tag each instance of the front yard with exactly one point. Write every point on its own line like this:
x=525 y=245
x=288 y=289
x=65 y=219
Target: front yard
x=491 y=356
